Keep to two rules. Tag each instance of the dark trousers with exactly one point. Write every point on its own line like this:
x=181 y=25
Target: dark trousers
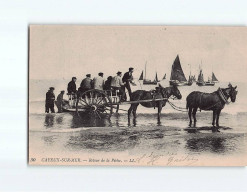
x=60 y=107
x=127 y=86
x=49 y=106
x=121 y=92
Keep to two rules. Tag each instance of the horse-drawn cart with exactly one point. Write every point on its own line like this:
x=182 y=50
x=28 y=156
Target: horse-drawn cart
x=98 y=103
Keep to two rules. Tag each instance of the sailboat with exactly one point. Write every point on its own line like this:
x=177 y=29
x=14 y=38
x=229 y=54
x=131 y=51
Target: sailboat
x=164 y=77
x=177 y=75
x=147 y=81
x=141 y=77
x=214 y=79
x=200 y=80
x=190 y=81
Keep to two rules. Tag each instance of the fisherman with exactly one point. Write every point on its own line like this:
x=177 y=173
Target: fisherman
x=117 y=84
x=59 y=102
x=127 y=79
x=72 y=86
x=86 y=84
x=107 y=85
x=98 y=82
x=49 y=101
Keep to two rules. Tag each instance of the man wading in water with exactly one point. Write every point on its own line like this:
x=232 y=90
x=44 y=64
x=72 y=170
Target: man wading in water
x=49 y=101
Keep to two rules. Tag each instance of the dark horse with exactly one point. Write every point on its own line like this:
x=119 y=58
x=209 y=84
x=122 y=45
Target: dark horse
x=149 y=95
x=210 y=101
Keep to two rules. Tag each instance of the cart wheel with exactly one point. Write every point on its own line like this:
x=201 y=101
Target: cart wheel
x=94 y=102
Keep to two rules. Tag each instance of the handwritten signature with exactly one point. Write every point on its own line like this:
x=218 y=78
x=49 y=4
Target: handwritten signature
x=173 y=159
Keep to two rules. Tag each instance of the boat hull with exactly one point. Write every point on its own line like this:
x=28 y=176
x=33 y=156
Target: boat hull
x=180 y=83
x=209 y=84
x=149 y=83
x=200 y=84
x=205 y=84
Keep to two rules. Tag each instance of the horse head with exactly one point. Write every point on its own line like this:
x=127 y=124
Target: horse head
x=175 y=92
x=233 y=92
x=170 y=91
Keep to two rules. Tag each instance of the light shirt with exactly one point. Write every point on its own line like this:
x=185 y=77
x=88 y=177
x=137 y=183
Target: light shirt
x=116 y=81
x=98 y=83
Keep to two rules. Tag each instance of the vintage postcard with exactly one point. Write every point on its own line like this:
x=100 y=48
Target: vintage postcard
x=137 y=95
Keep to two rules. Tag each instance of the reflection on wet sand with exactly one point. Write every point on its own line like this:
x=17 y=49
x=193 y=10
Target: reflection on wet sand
x=59 y=120
x=87 y=121
x=118 y=140
x=103 y=141
x=49 y=120
x=49 y=140
x=143 y=133
x=212 y=144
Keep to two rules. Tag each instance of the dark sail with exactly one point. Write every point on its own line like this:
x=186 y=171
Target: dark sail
x=214 y=79
x=141 y=77
x=190 y=79
x=177 y=71
x=164 y=77
x=200 y=77
x=156 y=78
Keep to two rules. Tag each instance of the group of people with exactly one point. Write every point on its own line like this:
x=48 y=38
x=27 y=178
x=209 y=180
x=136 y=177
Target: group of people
x=112 y=83
x=50 y=100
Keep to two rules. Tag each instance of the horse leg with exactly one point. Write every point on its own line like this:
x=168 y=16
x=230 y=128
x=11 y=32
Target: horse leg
x=214 y=116
x=194 y=115
x=159 y=110
x=217 y=118
x=130 y=110
x=134 y=110
x=117 y=108
x=189 y=113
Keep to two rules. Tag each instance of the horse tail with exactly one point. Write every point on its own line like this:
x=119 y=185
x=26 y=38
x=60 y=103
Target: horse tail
x=188 y=100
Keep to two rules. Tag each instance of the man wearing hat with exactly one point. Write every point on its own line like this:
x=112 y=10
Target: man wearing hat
x=49 y=101
x=117 y=84
x=86 y=84
x=98 y=82
x=59 y=102
x=127 y=79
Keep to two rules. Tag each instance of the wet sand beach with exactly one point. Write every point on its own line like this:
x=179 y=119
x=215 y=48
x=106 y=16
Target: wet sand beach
x=61 y=138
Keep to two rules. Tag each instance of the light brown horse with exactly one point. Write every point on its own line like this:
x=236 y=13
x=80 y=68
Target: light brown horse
x=148 y=95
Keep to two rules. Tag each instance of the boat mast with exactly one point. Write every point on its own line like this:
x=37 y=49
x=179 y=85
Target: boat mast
x=145 y=70
x=190 y=69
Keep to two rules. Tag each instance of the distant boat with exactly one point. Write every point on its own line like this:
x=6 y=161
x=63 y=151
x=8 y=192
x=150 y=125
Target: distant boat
x=156 y=78
x=177 y=75
x=201 y=82
x=214 y=79
x=190 y=81
x=147 y=81
x=164 y=77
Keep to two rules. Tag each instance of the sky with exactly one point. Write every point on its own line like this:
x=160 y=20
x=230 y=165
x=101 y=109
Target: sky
x=63 y=51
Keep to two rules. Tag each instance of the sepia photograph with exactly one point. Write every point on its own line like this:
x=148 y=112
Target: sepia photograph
x=137 y=95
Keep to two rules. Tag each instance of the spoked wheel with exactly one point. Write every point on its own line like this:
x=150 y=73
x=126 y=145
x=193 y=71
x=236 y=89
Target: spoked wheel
x=94 y=103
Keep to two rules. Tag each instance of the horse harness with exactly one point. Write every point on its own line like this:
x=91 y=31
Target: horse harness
x=222 y=97
x=155 y=92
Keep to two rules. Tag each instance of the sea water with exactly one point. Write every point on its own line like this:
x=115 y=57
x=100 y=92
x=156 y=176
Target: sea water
x=68 y=132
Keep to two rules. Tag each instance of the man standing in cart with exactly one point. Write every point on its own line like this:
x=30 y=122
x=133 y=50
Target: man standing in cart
x=72 y=86
x=127 y=79
x=86 y=84
x=117 y=84
x=98 y=82
x=49 y=101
